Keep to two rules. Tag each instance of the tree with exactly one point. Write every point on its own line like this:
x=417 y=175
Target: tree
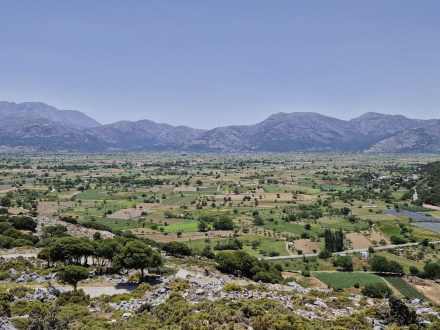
x=72 y=275
x=397 y=240
x=376 y=290
x=5 y=201
x=169 y=214
x=105 y=250
x=432 y=270
x=381 y=264
x=258 y=220
x=382 y=242
x=378 y=264
x=24 y=223
x=255 y=244
x=345 y=210
x=223 y=222
x=96 y=236
x=395 y=267
x=334 y=240
x=400 y=313
x=71 y=250
x=199 y=182
x=414 y=270
x=307 y=226
x=176 y=249
x=202 y=225
x=137 y=255
x=344 y=262
x=207 y=253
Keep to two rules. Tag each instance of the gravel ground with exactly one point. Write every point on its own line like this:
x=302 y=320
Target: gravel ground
x=109 y=290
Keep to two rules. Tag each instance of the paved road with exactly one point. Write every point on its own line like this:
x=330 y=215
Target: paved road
x=346 y=251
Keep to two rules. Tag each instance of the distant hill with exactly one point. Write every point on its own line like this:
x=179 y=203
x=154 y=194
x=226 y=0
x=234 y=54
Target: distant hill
x=421 y=139
x=10 y=111
x=39 y=125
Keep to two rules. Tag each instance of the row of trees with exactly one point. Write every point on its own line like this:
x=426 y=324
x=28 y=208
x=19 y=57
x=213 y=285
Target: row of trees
x=334 y=240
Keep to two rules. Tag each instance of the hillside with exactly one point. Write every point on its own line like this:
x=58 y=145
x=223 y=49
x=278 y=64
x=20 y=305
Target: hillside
x=10 y=111
x=33 y=124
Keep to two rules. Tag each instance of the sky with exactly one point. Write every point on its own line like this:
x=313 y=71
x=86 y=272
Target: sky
x=211 y=63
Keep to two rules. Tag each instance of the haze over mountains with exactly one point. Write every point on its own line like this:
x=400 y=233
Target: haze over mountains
x=43 y=127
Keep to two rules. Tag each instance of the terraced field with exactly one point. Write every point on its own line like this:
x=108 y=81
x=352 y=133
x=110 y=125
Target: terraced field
x=404 y=288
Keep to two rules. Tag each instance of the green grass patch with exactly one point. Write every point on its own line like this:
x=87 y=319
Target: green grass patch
x=390 y=230
x=187 y=225
x=346 y=280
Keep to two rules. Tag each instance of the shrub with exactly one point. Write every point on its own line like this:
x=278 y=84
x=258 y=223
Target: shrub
x=305 y=273
x=325 y=254
x=73 y=297
x=21 y=324
x=73 y=312
x=356 y=285
x=23 y=307
x=398 y=240
x=181 y=286
x=232 y=287
x=4 y=275
x=20 y=291
x=279 y=267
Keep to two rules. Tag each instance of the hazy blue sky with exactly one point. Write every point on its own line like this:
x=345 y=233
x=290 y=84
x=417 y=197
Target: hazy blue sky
x=214 y=63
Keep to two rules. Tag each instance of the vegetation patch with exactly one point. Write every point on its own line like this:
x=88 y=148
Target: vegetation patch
x=346 y=280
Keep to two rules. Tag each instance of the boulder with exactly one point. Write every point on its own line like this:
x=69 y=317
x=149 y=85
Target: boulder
x=21 y=279
x=5 y=325
x=54 y=290
x=51 y=276
x=161 y=290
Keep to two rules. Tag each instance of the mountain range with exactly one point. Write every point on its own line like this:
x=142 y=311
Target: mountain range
x=42 y=127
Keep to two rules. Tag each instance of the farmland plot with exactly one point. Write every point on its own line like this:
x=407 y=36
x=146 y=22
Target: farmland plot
x=404 y=288
x=433 y=226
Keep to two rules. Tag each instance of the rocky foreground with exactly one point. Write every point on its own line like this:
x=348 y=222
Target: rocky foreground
x=312 y=304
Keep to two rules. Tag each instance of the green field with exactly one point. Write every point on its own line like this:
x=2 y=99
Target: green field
x=404 y=288
x=187 y=225
x=178 y=200
x=390 y=230
x=338 y=280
